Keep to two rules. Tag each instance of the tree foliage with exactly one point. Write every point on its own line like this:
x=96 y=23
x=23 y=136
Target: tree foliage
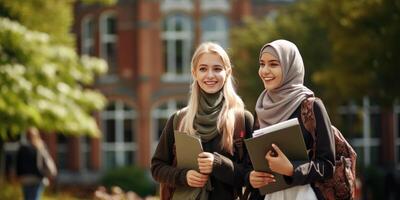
x=43 y=82
x=364 y=37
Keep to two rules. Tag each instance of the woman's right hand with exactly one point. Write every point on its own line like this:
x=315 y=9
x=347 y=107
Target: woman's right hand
x=259 y=179
x=196 y=179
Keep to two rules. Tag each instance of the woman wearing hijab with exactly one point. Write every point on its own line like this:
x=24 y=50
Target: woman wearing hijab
x=211 y=114
x=282 y=72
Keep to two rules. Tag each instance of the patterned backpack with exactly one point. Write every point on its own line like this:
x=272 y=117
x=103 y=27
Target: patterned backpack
x=342 y=184
x=167 y=191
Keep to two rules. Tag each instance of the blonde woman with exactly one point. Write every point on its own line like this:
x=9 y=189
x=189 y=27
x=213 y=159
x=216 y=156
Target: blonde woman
x=211 y=114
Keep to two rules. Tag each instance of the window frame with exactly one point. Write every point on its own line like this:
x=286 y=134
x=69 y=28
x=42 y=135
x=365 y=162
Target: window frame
x=119 y=147
x=169 y=37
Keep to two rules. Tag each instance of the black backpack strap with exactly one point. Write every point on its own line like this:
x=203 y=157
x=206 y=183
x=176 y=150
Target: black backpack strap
x=239 y=135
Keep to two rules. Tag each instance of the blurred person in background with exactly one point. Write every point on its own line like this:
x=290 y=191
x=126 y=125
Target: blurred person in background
x=34 y=165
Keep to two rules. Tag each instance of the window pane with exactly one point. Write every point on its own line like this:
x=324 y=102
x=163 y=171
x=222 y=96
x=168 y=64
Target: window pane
x=360 y=157
x=111 y=53
x=61 y=139
x=178 y=25
x=119 y=138
x=374 y=155
x=62 y=156
x=128 y=137
x=62 y=160
x=179 y=56
x=129 y=157
x=87 y=164
x=398 y=153
x=165 y=55
x=127 y=108
x=376 y=125
x=161 y=124
x=209 y=24
x=109 y=160
x=110 y=130
x=110 y=107
x=398 y=126
x=181 y=104
x=111 y=25
x=351 y=125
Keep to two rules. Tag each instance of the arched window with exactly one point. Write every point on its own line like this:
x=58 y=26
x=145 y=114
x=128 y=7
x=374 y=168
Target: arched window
x=177 y=46
x=119 y=144
x=87 y=36
x=215 y=29
x=160 y=117
x=108 y=39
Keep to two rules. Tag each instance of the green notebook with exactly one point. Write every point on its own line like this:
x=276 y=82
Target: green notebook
x=288 y=137
x=188 y=147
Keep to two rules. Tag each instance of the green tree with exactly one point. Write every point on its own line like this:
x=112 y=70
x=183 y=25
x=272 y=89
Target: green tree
x=43 y=84
x=364 y=37
x=43 y=81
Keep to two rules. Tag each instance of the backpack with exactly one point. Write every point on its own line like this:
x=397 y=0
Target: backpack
x=167 y=191
x=342 y=184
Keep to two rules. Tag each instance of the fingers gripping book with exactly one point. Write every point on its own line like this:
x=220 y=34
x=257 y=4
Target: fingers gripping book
x=287 y=135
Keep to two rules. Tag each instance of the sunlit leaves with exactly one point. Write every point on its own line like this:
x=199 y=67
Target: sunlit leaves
x=44 y=84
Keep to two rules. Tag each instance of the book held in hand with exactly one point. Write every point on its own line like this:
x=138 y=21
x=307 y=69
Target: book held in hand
x=188 y=147
x=287 y=135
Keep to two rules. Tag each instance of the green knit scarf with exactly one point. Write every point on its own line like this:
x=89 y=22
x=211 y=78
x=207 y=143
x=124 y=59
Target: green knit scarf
x=205 y=122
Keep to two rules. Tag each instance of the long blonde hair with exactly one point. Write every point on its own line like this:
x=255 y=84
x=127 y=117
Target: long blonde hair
x=232 y=102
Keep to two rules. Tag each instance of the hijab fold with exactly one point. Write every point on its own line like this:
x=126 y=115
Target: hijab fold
x=277 y=105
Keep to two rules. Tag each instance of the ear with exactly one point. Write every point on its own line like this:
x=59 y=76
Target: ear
x=229 y=71
x=193 y=73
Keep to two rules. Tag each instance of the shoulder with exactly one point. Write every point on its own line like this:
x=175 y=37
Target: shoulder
x=319 y=106
x=316 y=103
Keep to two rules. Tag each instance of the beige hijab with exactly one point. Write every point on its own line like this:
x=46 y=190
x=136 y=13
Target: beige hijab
x=277 y=105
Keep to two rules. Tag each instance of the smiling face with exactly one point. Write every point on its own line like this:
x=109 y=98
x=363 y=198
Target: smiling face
x=270 y=71
x=210 y=73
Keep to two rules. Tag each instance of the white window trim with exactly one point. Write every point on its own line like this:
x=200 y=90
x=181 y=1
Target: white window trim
x=172 y=36
x=366 y=142
x=177 y=5
x=86 y=43
x=215 y=5
x=172 y=107
x=119 y=147
x=84 y=149
x=104 y=36
x=62 y=148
